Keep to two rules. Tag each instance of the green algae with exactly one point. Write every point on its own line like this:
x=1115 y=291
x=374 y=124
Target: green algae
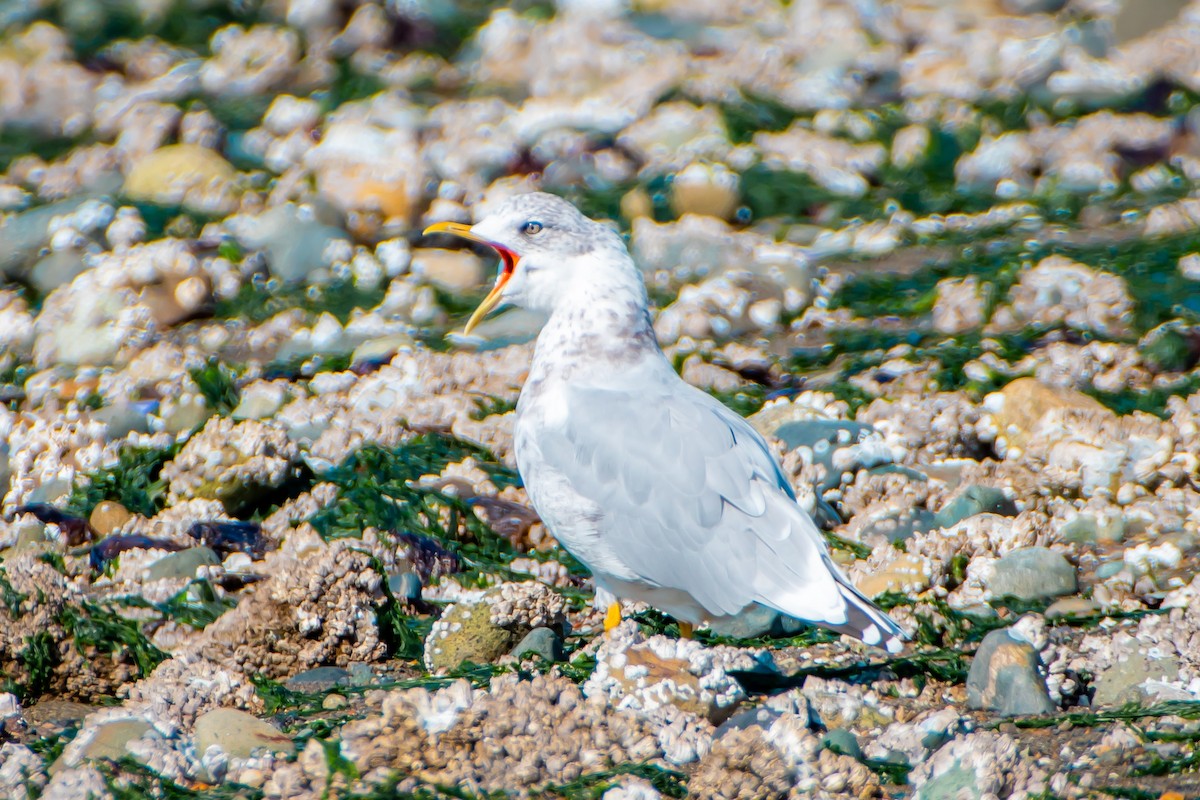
x=492 y=406
x=39 y=657
x=10 y=598
x=92 y=25
x=752 y=113
x=218 y=383
x=258 y=301
x=196 y=605
x=17 y=141
x=133 y=482
x=98 y=630
x=1130 y=712
x=377 y=487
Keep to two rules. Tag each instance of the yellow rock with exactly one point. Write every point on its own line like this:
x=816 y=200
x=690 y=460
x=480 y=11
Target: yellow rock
x=184 y=174
x=708 y=189
x=906 y=574
x=1018 y=407
x=636 y=203
x=454 y=270
x=108 y=516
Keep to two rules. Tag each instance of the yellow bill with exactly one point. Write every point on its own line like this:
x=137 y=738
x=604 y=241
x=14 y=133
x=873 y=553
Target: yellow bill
x=507 y=256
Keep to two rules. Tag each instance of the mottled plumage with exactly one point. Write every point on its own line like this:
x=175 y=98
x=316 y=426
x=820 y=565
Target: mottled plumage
x=663 y=492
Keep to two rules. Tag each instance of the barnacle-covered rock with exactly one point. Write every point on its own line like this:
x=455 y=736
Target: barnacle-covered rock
x=525 y=733
x=231 y=461
x=484 y=629
x=317 y=607
x=990 y=762
x=643 y=675
x=777 y=761
x=1061 y=291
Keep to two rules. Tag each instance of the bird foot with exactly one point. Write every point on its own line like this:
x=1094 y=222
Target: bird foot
x=613 y=617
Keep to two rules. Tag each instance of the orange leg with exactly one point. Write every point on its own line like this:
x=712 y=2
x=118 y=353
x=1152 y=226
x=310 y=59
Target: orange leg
x=613 y=617
x=686 y=629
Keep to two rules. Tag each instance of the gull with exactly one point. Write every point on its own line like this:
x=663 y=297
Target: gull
x=663 y=492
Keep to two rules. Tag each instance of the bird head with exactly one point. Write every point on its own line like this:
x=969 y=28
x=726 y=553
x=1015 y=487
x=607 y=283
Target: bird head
x=545 y=245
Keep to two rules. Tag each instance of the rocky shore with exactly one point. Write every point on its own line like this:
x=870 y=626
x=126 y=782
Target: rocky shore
x=261 y=533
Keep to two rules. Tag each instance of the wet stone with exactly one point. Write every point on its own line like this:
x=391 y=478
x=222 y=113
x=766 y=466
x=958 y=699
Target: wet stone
x=842 y=741
x=1125 y=681
x=108 y=516
x=898 y=525
x=756 y=621
x=315 y=681
x=542 y=642
x=52 y=716
x=239 y=734
x=1032 y=573
x=111 y=739
x=1072 y=607
x=361 y=674
x=183 y=564
x=1005 y=677
x=405 y=585
x=972 y=500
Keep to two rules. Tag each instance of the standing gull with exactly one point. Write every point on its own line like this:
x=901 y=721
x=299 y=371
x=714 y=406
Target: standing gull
x=664 y=493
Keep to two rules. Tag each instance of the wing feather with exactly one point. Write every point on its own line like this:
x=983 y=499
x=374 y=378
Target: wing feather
x=691 y=498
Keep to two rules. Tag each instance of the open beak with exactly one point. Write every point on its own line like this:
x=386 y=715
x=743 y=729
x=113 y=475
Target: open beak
x=508 y=257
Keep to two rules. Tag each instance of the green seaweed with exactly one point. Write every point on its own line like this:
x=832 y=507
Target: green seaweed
x=196 y=605
x=39 y=657
x=491 y=406
x=402 y=633
x=91 y=26
x=278 y=698
x=17 y=141
x=133 y=482
x=258 y=301
x=1130 y=712
x=218 y=384
x=752 y=113
x=10 y=598
x=100 y=630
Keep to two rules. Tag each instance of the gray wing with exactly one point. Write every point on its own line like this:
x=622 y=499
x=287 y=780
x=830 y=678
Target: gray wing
x=691 y=498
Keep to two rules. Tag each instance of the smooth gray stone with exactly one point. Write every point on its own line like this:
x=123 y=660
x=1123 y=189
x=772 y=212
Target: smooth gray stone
x=1005 y=678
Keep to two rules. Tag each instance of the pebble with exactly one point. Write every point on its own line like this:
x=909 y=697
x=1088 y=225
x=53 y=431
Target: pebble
x=465 y=633
x=542 y=642
x=333 y=702
x=1072 y=607
x=111 y=739
x=844 y=742
x=183 y=564
x=186 y=175
x=239 y=734
x=1125 y=680
x=56 y=268
x=300 y=242
x=108 y=516
x=1006 y=678
x=1032 y=573
x=972 y=500
x=318 y=680
x=405 y=585
x=453 y=270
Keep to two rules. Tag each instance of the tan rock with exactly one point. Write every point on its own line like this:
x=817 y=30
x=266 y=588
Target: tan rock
x=184 y=174
x=454 y=270
x=108 y=516
x=907 y=574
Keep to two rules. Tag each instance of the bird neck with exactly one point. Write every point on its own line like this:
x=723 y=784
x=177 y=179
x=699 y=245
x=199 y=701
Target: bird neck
x=596 y=330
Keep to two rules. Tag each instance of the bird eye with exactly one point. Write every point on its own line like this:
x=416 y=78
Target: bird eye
x=530 y=228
